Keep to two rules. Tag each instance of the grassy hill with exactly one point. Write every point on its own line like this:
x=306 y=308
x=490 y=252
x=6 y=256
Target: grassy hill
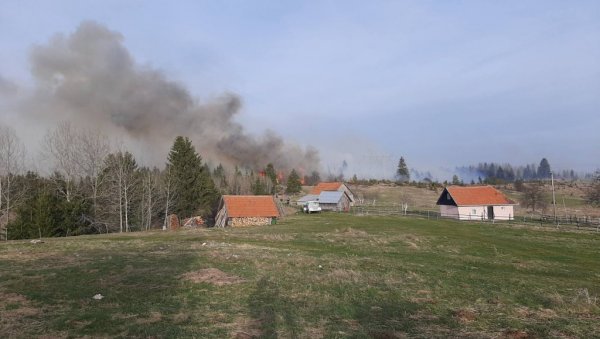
x=570 y=197
x=309 y=276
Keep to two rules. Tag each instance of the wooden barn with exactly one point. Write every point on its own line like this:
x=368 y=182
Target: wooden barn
x=246 y=210
x=332 y=187
x=337 y=201
x=475 y=203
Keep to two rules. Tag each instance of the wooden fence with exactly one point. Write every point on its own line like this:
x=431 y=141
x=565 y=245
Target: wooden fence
x=569 y=221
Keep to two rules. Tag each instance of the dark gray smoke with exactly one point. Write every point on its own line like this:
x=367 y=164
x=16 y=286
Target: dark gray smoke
x=91 y=79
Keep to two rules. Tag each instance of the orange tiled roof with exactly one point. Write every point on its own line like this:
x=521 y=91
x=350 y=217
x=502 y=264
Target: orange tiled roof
x=478 y=195
x=326 y=186
x=243 y=206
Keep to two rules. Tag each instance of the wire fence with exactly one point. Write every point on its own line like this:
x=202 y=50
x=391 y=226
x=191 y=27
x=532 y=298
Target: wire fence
x=580 y=222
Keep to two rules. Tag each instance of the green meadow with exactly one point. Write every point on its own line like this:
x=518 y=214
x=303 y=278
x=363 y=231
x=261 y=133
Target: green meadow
x=309 y=276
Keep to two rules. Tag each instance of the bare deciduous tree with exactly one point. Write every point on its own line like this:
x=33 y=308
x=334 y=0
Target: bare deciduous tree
x=534 y=197
x=122 y=182
x=150 y=180
x=91 y=150
x=168 y=194
x=60 y=147
x=12 y=154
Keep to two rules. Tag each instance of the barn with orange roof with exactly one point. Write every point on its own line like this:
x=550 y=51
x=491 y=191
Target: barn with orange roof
x=475 y=203
x=246 y=210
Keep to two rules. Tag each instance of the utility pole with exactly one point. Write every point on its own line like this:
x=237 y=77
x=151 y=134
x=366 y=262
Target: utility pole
x=553 y=197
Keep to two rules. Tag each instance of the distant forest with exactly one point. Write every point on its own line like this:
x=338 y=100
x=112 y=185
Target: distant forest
x=494 y=173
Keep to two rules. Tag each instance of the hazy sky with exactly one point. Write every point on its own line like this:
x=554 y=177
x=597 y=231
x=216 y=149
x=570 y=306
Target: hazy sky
x=444 y=83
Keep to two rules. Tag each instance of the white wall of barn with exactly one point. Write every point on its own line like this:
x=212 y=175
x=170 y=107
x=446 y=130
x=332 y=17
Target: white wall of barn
x=476 y=212
x=449 y=211
x=504 y=212
x=472 y=212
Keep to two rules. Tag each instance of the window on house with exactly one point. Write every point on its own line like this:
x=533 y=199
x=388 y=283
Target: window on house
x=474 y=211
x=448 y=196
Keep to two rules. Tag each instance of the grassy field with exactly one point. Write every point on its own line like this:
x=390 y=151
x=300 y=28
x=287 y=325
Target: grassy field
x=570 y=198
x=310 y=276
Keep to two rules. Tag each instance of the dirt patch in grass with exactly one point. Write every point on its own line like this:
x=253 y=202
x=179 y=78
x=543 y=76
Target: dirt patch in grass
x=346 y=276
x=154 y=317
x=245 y=328
x=212 y=276
x=515 y=334
x=349 y=231
x=278 y=237
x=16 y=312
x=465 y=315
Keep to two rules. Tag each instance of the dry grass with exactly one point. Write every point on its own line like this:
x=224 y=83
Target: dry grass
x=212 y=276
x=327 y=275
x=415 y=197
x=16 y=311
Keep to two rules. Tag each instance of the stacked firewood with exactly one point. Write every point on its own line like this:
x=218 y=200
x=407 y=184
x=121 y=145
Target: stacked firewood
x=193 y=222
x=173 y=222
x=250 y=221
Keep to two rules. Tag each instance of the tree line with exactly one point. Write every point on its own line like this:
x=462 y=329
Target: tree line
x=495 y=173
x=93 y=187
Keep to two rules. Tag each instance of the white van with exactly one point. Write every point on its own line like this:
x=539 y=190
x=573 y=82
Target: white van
x=311 y=207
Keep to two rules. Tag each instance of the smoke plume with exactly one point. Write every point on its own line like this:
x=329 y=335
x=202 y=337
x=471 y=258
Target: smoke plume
x=90 y=79
x=7 y=87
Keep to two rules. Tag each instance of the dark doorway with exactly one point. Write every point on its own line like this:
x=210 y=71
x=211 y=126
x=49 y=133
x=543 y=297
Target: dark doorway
x=490 y=212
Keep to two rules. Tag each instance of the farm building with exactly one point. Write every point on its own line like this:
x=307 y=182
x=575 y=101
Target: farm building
x=246 y=210
x=475 y=203
x=329 y=200
x=307 y=198
x=334 y=201
x=333 y=186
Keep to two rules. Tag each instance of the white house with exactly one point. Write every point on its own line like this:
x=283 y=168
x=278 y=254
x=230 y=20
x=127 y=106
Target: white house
x=475 y=203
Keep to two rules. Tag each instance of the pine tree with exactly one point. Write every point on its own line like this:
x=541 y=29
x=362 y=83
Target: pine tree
x=259 y=187
x=293 y=183
x=544 y=171
x=196 y=193
x=220 y=178
x=402 y=172
x=455 y=180
x=313 y=179
x=271 y=173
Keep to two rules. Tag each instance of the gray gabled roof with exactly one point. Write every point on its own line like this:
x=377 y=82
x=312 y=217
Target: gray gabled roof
x=308 y=197
x=330 y=197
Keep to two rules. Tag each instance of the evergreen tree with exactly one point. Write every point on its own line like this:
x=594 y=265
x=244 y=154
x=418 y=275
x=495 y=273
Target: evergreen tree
x=271 y=174
x=312 y=179
x=196 y=193
x=402 y=173
x=220 y=178
x=293 y=183
x=455 y=180
x=544 y=171
x=259 y=187
x=46 y=213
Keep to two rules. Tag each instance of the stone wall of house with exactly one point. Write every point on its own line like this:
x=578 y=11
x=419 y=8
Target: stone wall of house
x=251 y=221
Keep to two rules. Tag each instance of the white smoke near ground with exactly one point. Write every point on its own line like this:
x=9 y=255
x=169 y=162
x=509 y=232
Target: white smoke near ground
x=90 y=79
